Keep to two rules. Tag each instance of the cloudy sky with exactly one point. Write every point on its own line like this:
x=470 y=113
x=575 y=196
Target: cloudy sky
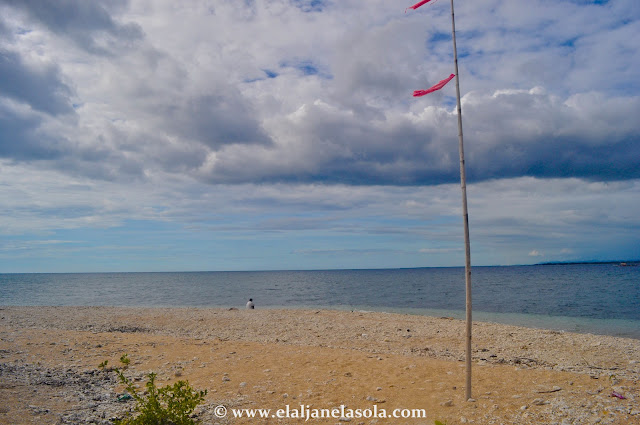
x=151 y=135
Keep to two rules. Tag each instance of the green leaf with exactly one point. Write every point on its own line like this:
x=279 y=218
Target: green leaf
x=172 y=404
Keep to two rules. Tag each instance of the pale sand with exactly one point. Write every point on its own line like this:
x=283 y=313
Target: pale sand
x=324 y=359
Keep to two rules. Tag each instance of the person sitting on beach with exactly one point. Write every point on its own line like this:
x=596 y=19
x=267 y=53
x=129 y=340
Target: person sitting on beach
x=250 y=304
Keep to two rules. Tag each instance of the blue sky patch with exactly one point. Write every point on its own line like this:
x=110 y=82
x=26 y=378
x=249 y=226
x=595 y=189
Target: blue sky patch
x=268 y=73
x=439 y=37
x=307 y=68
x=272 y=128
x=310 y=5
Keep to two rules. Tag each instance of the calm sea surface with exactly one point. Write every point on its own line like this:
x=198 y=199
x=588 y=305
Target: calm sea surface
x=598 y=298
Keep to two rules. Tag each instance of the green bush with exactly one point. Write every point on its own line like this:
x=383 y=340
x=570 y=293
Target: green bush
x=170 y=405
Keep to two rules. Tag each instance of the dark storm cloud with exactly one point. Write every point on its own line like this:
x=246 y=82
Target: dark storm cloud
x=389 y=153
x=89 y=24
x=4 y=30
x=22 y=139
x=40 y=86
x=216 y=120
x=507 y=134
x=31 y=94
x=515 y=134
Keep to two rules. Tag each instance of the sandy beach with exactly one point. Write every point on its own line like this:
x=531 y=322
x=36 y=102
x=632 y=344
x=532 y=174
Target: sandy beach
x=317 y=359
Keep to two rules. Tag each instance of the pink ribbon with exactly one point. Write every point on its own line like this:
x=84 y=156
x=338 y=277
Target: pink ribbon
x=417 y=5
x=438 y=86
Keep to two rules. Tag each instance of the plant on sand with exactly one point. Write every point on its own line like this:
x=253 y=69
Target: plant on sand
x=124 y=359
x=169 y=405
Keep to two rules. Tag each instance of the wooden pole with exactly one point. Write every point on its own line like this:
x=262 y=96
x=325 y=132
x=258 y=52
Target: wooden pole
x=465 y=215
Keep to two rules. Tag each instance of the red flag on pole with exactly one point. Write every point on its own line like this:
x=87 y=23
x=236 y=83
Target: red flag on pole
x=417 y=5
x=438 y=86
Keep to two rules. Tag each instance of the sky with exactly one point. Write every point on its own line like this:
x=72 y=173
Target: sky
x=155 y=135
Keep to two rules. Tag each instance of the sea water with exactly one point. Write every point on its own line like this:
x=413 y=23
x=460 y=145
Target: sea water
x=598 y=298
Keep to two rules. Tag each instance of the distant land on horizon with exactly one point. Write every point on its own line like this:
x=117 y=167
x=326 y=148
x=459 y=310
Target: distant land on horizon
x=561 y=263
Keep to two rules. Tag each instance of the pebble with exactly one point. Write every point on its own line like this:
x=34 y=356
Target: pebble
x=91 y=390
x=84 y=387
x=539 y=402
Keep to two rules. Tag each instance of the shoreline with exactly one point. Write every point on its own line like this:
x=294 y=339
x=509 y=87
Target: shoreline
x=619 y=328
x=614 y=327
x=323 y=358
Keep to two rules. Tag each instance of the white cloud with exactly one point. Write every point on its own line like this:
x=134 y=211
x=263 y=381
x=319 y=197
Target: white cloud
x=224 y=81
x=177 y=113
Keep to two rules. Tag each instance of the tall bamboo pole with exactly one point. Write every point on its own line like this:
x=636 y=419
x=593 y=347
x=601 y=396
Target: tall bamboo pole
x=465 y=215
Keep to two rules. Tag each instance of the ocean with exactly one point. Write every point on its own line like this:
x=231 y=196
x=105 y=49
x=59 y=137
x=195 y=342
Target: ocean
x=594 y=298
